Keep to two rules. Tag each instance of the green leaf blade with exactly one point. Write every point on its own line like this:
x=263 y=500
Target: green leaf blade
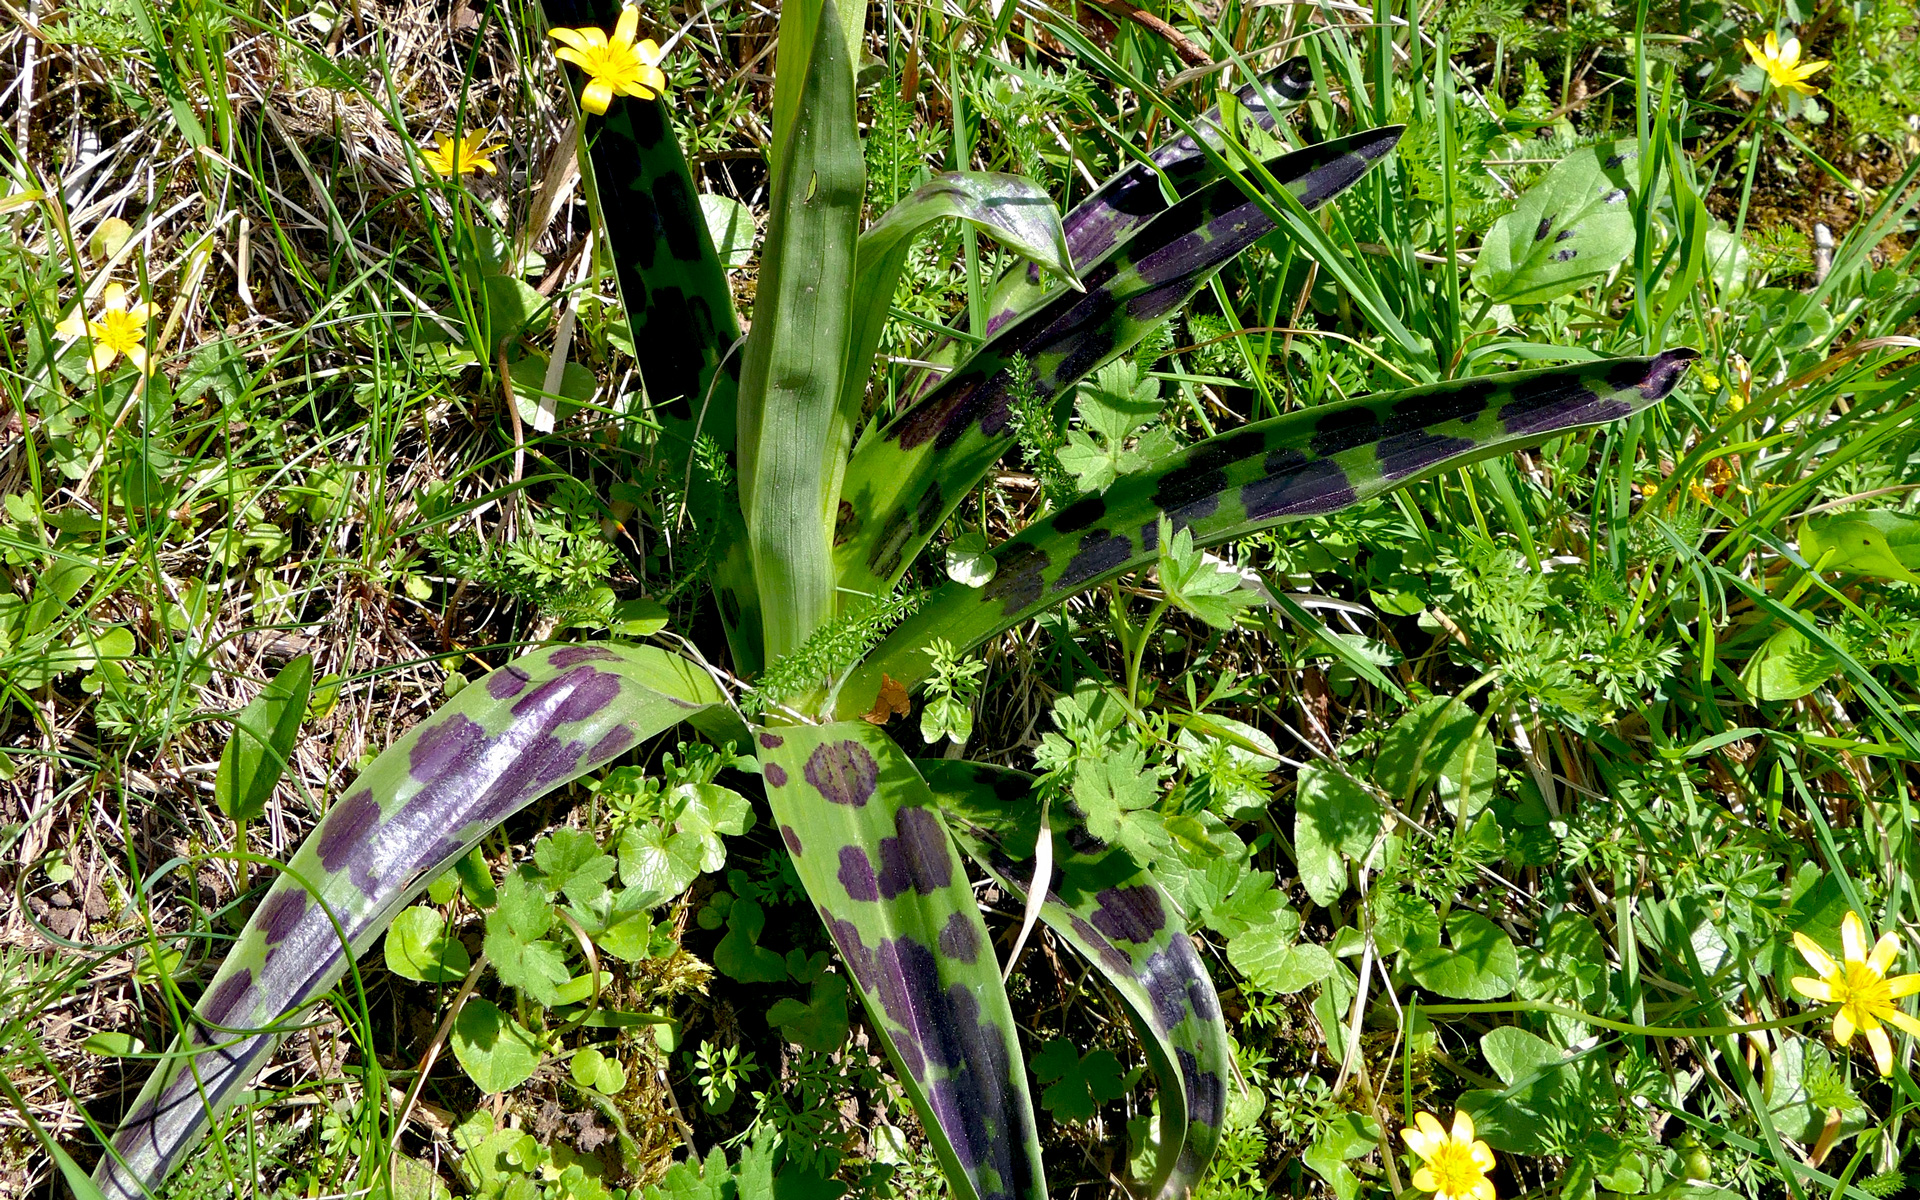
x=1304 y=464
x=796 y=354
x=263 y=737
x=503 y=741
x=1109 y=909
x=877 y=859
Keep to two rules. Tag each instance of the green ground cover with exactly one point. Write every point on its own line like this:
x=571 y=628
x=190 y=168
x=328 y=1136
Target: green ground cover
x=1570 y=789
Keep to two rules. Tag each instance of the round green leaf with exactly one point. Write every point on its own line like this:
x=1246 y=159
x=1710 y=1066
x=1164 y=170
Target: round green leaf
x=1478 y=964
x=496 y=1051
x=418 y=948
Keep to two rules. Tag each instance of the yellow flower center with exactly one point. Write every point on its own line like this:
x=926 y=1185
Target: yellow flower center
x=1862 y=992
x=615 y=64
x=1454 y=1171
x=119 y=331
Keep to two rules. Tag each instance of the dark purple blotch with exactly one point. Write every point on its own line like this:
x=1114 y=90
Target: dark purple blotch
x=573 y=656
x=1018 y=578
x=772 y=741
x=859 y=958
x=1100 y=552
x=775 y=774
x=1543 y=229
x=918 y=859
x=612 y=742
x=1165 y=975
x=1567 y=255
x=1412 y=453
x=856 y=874
x=1109 y=953
x=1294 y=486
x=843 y=772
x=347 y=828
x=507 y=681
x=575 y=696
x=791 y=838
x=1130 y=914
x=1206 y=1091
x=281 y=912
x=223 y=1002
x=444 y=747
x=959 y=940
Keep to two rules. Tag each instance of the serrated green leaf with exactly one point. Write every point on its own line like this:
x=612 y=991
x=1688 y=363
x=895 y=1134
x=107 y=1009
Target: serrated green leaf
x=1335 y=820
x=571 y=862
x=1078 y=1085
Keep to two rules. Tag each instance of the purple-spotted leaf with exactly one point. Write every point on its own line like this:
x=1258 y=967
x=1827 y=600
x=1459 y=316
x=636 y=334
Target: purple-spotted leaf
x=876 y=859
x=504 y=740
x=1102 y=903
x=1014 y=211
x=1129 y=199
x=908 y=477
x=1304 y=464
x=1567 y=232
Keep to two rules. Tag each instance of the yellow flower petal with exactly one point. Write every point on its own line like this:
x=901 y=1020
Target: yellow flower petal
x=1817 y=958
x=103 y=356
x=1903 y=985
x=1483 y=1156
x=1483 y=1190
x=648 y=50
x=73 y=325
x=137 y=355
x=1884 y=952
x=1842 y=1027
x=1904 y=1022
x=1425 y=1180
x=1882 y=1049
x=146 y=310
x=1853 y=938
x=1430 y=1125
x=1462 y=1126
x=115 y=296
x=595 y=97
x=572 y=39
x=1418 y=1142
x=629 y=24
x=651 y=77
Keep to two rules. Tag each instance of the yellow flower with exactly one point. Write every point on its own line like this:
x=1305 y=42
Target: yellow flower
x=1859 y=985
x=1453 y=1165
x=617 y=66
x=1782 y=64
x=121 y=329
x=464 y=155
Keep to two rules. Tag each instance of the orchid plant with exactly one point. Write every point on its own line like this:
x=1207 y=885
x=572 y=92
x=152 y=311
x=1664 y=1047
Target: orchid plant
x=811 y=534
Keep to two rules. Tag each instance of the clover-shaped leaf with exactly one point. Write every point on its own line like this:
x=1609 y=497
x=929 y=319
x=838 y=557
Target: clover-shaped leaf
x=1080 y=1085
x=664 y=858
x=820 y=1023
x=571 y=861
x=739 y=954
